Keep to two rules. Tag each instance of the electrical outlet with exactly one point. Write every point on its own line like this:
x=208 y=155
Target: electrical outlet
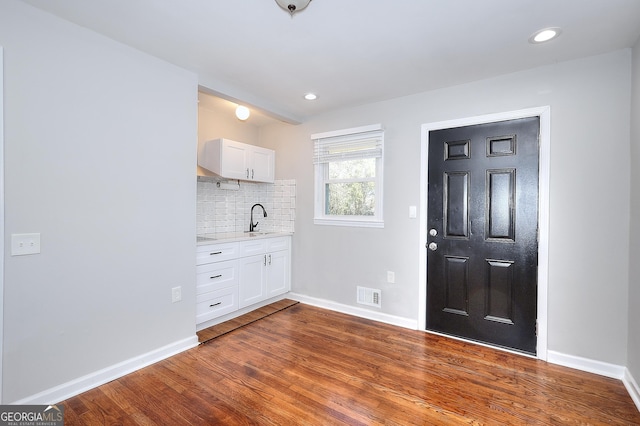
x=25 y=244
x=176 y=294
x=391 y=277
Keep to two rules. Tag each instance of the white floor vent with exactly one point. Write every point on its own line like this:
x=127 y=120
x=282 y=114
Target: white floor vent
x=369 y=296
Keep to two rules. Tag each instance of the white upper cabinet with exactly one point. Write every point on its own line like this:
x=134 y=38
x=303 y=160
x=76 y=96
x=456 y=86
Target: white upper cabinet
x=236 y=160
x=263 y=162
x=232 y=160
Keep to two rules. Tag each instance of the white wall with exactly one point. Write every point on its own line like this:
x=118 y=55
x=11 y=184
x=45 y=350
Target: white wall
x=100 y=151
x=634 y=281
x=589 y=217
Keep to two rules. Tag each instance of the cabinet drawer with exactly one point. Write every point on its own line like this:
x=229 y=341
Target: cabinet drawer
x=216 y=253
x=277 y=244
x=253 y=247
x=216 y=303
x=214 y=276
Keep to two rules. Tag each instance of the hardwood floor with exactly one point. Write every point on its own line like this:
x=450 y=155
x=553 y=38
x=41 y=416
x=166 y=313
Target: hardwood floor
x=309 y=366
x=235 y=323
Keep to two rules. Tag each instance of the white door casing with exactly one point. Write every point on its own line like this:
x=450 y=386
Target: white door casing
x=543 y=209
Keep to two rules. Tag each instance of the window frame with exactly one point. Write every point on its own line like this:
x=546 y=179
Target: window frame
x=321 y=178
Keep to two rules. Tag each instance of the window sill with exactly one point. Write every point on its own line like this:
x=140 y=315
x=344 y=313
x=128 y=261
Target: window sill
x=368 y=223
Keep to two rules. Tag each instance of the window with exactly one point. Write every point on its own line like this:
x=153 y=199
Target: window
x=348 y=177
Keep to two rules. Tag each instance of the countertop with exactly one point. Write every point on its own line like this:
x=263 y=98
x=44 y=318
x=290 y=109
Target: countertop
x=206 y=239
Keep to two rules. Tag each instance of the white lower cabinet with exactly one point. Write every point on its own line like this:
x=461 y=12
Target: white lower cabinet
x=252 y=270
x=278 y=273
x=231 y=276
x=216 y=303
x=265 y=272
x=217 y=281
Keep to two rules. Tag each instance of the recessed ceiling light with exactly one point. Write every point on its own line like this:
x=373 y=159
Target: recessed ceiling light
x=545 y=34
x=311 y=96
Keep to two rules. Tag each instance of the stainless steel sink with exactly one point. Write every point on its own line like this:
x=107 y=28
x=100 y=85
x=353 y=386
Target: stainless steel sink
x=202 y=239
x=257 y=233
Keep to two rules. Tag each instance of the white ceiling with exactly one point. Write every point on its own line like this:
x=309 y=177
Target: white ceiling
x=352 y=52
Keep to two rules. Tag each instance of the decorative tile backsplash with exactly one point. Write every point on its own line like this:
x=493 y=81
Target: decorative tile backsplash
x=226 y=210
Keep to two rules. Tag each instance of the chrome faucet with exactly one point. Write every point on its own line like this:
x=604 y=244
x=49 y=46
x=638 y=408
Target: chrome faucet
x=252 y=225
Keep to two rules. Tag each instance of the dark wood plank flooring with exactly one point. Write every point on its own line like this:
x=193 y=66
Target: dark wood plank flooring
x=309 y=366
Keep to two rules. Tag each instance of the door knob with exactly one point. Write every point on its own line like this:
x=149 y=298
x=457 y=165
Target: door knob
x=433 y=232
x=433 y=246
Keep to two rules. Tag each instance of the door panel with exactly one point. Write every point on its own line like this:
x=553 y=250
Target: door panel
x=457 y=285
x=482 y=221
x=456 y=214
x=499 y=306
x=500 y=206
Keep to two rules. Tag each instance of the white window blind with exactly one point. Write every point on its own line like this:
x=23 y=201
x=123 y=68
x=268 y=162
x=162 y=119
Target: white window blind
x=365 y=142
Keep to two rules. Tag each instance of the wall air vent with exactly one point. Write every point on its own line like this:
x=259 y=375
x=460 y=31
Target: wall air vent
x=369 y=296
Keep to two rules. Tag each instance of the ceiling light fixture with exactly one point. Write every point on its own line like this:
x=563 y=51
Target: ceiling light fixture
x=311 y=96
x=544 y=35
x=293 y=6
x=242 y=112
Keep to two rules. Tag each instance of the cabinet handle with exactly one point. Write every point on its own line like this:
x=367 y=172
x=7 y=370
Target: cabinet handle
x=269 y=259
x=215 y=252
x=252 y=173
x=215 y=276
x=215 y=304
x=247 y=173
x=265 y=260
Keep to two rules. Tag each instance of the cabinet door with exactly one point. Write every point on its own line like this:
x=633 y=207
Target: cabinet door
x=252 y=279
x=234 y=161
x=262 y=164
x=277 y=273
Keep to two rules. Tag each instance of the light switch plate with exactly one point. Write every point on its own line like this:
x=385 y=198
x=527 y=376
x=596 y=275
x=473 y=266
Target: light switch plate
x=413 y=212
x=25 y=244
x=391 y=277
x=176 y=294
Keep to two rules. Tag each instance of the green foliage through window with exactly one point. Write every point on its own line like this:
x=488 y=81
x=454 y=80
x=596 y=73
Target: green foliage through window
x=355 y=199
x=350 y=189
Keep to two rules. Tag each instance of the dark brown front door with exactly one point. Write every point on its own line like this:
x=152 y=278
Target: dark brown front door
x=482 y=250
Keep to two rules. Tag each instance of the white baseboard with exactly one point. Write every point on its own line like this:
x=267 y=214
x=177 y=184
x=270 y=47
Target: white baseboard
x=632 y=387
x=355 y=311
x=601 y=368
x=585 y=364
x=100 y=377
